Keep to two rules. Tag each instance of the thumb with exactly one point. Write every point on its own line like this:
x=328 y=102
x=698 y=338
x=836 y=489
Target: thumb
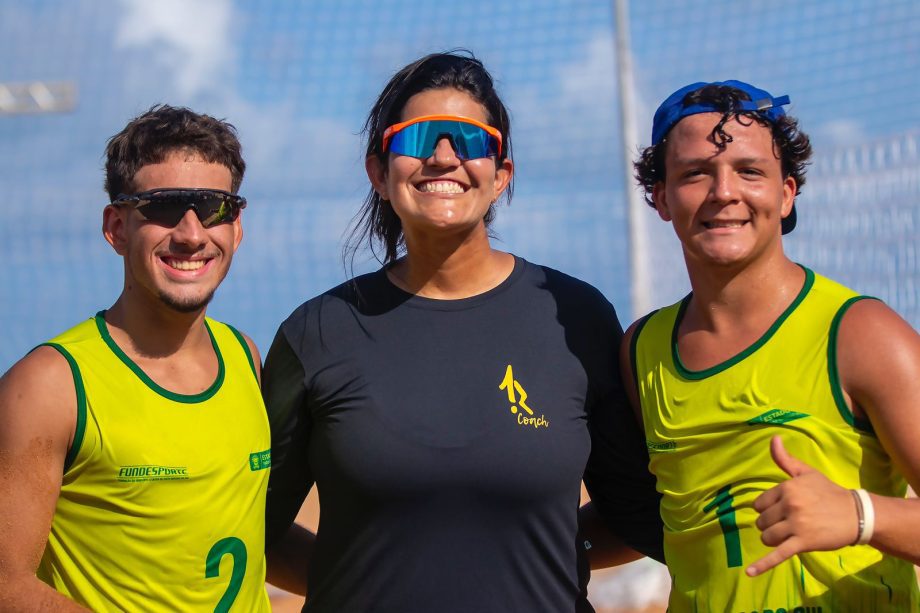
x=791 y=466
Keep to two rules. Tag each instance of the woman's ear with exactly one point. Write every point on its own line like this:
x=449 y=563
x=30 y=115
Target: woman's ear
x=377 y=173
x=503 y=172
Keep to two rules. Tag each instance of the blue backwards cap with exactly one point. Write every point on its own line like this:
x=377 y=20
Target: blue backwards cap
x=673 y=110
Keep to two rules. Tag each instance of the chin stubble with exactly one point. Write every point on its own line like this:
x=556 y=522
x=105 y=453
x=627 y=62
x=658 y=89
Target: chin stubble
x=187 y=305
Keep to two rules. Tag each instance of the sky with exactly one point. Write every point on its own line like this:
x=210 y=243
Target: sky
x=297 y=79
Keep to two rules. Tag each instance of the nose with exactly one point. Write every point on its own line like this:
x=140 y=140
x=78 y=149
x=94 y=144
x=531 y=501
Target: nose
x=189 y=231
x=724 y=189
x=444 y=154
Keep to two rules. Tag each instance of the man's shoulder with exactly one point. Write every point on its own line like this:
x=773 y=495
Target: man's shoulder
x=86 y=330
x=665 y=315
x=47 y=364
x=822 y=302
x=223 y=327
x=654 y=331
x=47 y=381
x=227 y=332
x=866 y=318
x=55 y=361
x=827 y=288
x=39 y=395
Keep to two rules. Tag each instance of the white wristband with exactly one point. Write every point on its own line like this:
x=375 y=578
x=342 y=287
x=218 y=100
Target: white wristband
x=868 y=517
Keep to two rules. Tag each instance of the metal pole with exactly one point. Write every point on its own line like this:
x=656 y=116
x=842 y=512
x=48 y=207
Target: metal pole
x=637 y=210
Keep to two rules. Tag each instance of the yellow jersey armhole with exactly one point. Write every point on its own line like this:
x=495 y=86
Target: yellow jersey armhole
x=80 y=427
x=833 y=374
x=634 y=349
x=245 y=345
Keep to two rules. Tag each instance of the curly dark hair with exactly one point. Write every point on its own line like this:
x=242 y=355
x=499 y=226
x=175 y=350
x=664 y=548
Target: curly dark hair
x=161 y=130
x=376 y=223
x=794 y=145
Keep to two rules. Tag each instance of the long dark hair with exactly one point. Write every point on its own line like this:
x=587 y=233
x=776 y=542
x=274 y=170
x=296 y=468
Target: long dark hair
x=376 y=224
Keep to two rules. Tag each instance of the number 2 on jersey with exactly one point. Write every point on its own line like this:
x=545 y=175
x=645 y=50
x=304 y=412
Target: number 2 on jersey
x=237 y=550
x=722 y=503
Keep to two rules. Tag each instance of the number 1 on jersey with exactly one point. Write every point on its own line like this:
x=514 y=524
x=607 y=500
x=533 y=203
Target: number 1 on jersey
x=722 y=503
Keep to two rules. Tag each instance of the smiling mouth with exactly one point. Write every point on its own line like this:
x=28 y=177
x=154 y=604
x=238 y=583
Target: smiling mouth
x=440 y=187
x=185 y=265
x=717 y=224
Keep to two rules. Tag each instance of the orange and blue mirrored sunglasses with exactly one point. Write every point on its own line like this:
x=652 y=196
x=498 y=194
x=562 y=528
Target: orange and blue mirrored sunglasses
x=418 y=137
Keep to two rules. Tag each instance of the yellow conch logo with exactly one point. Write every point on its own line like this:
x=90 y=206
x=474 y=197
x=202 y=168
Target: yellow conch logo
x=518 y=398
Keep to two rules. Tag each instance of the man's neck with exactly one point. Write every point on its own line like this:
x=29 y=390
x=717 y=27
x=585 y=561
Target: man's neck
x=145 y=330
x=757 y=292
x=731 y=309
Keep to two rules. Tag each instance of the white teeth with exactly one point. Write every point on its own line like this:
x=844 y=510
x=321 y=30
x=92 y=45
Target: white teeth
x=441 y=187
x=184 y=264
x=724 y=224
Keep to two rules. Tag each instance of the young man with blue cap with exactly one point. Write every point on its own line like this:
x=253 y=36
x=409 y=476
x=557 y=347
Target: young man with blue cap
x=779 y=407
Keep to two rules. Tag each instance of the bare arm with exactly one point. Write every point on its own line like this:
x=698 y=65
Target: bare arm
x=879 y=367
x=37 y=421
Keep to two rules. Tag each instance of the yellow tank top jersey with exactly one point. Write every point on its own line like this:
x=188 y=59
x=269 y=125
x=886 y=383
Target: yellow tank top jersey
x=708 y=435
x=162 y=506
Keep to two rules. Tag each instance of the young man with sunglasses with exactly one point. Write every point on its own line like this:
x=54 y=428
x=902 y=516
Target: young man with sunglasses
x=135 y=446
x=780 y=408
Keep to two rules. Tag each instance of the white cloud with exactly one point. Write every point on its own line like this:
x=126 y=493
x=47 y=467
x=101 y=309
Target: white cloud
x=318 y=155
x=585 y=88
x=841 y=132
x=192 y=55
x=191 y=40
x=590 y=84
x=591 y=79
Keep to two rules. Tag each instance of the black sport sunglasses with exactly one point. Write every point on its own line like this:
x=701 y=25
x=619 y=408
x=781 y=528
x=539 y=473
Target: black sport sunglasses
x=168 y=205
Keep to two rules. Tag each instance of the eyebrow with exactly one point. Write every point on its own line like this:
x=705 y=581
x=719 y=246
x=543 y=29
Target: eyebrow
x=702 y=161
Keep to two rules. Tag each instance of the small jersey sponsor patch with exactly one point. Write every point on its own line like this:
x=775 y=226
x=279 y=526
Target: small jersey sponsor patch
x=260 y=460
x=152 y=472
x=661 y=447
x=776 y=416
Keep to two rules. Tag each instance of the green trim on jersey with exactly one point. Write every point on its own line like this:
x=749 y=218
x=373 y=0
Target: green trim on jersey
x=148 y=467
x=80 y=427
x=184 y=398
x=709 y=443
x=634 y=343
x=836 y=388
x=698 y=375
x=245 y=345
